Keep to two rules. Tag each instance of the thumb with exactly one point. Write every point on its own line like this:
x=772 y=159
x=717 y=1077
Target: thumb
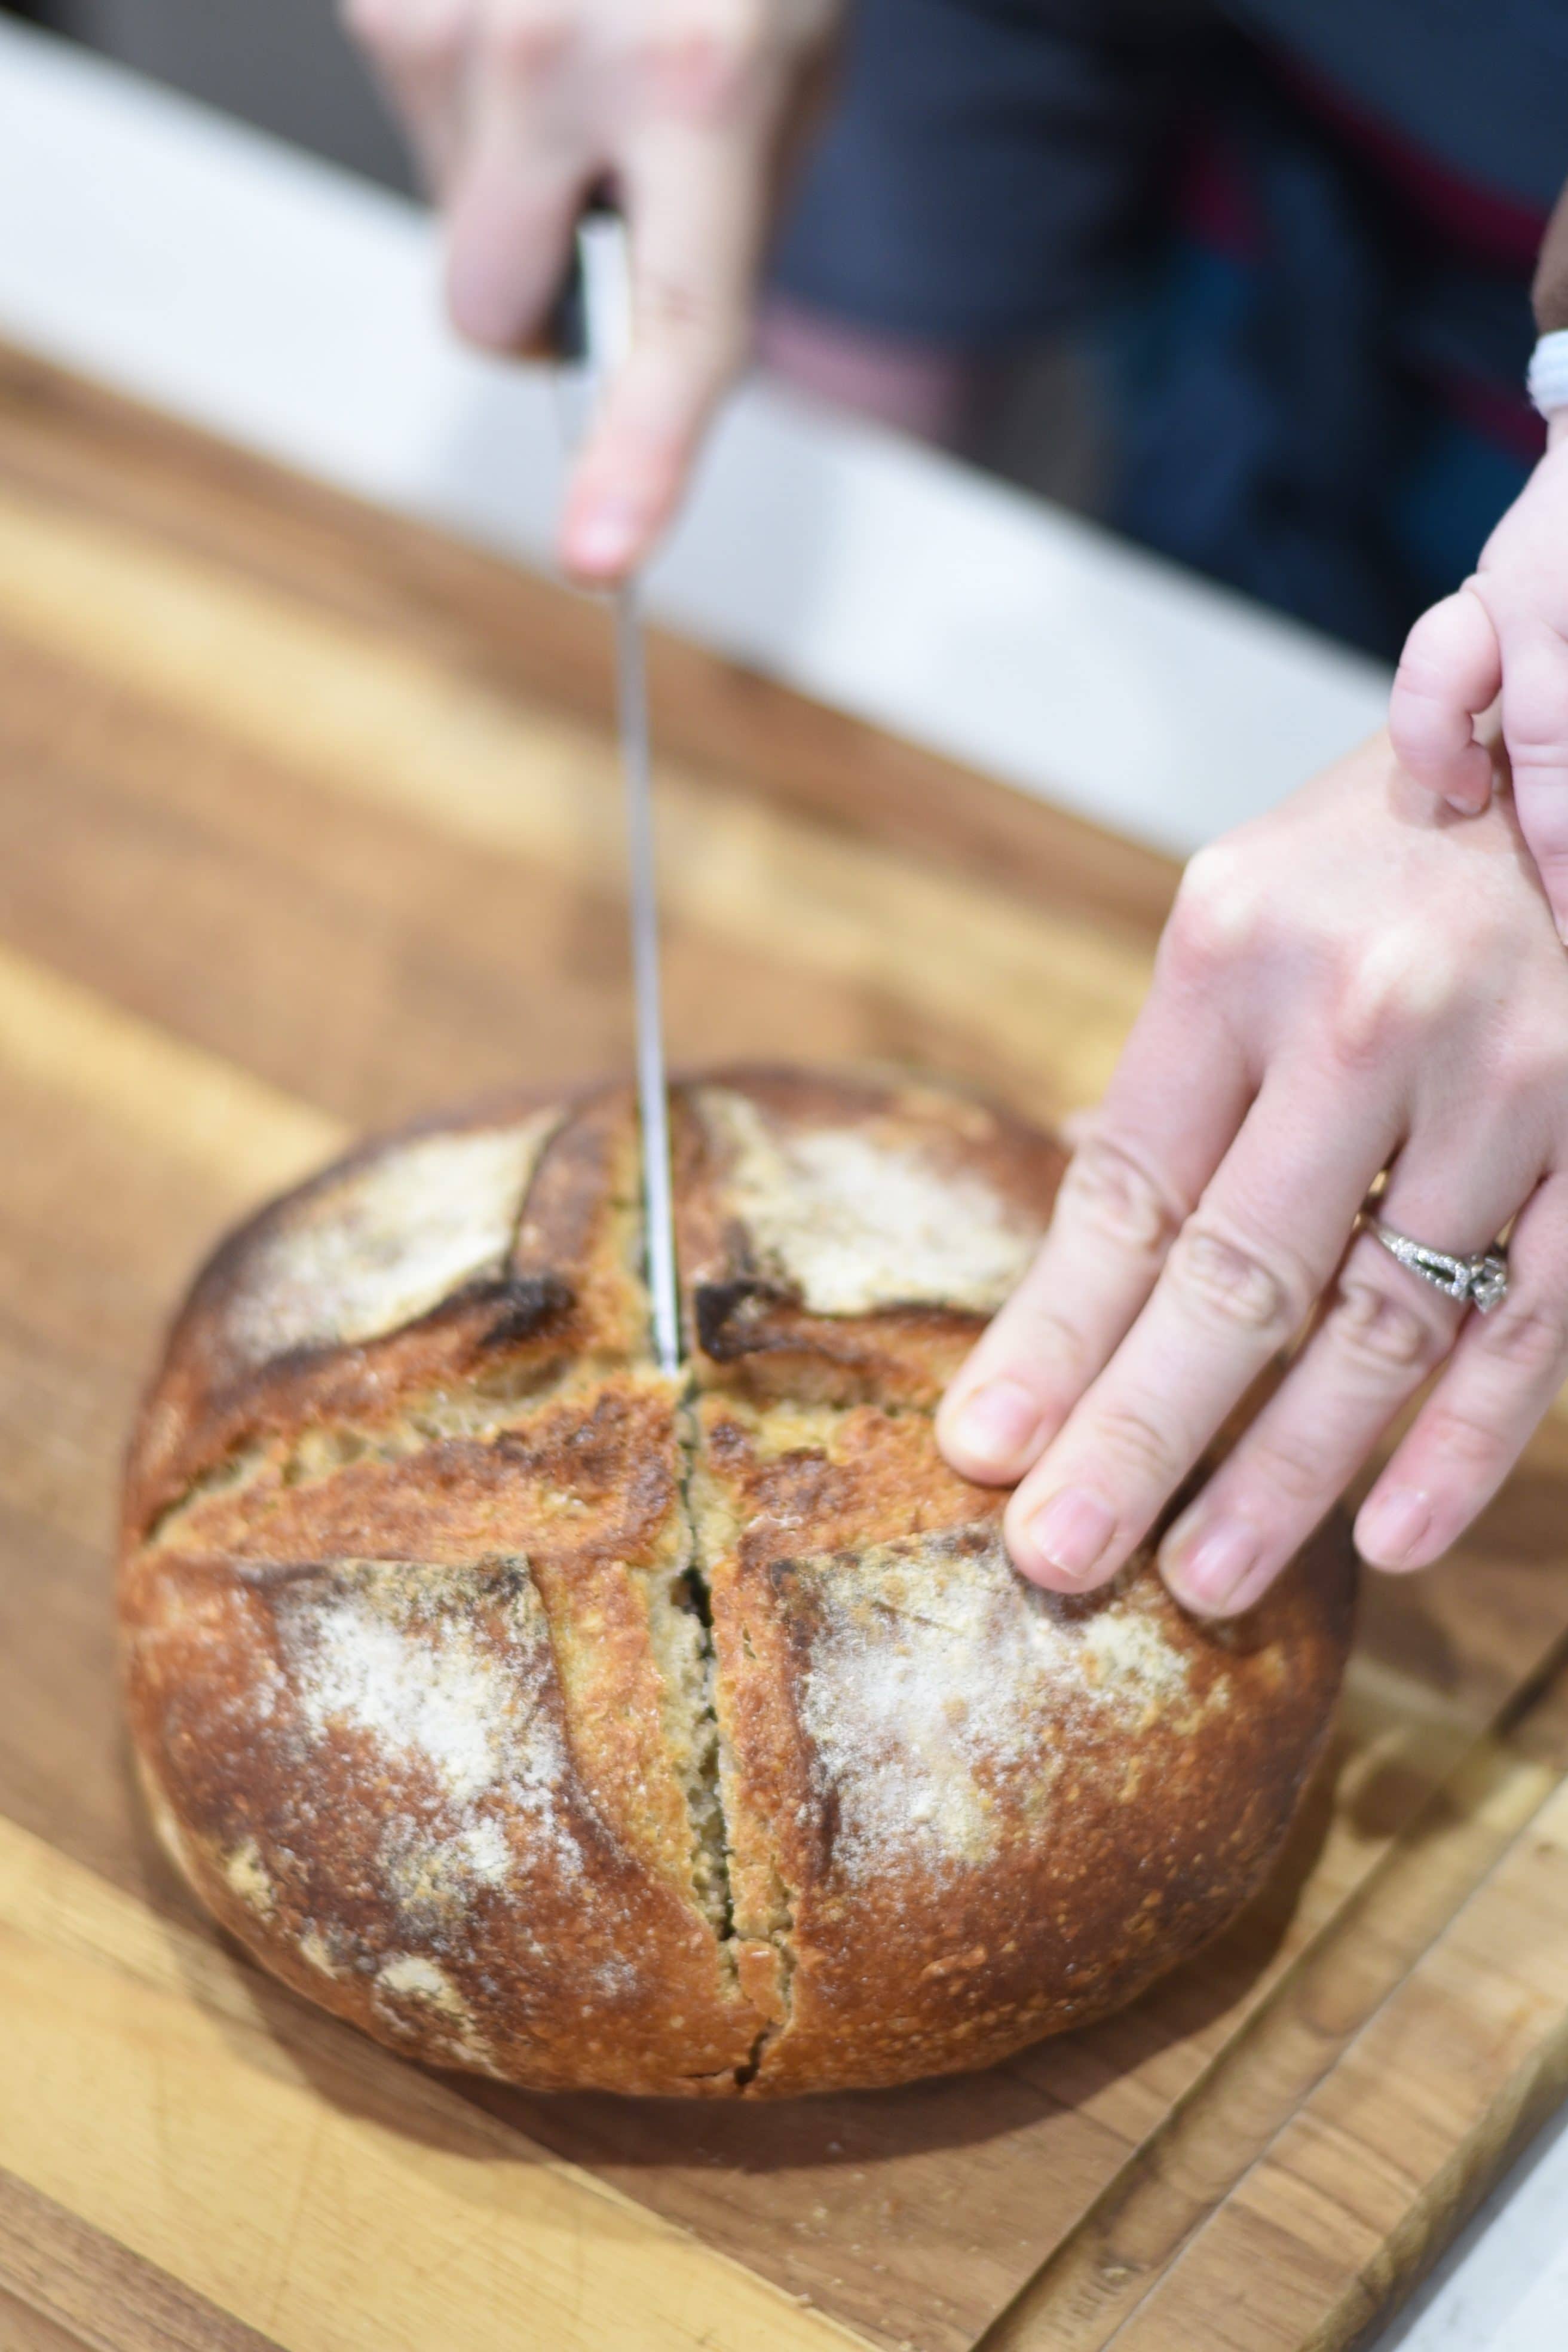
x=1450 y=672
x=1535 y=729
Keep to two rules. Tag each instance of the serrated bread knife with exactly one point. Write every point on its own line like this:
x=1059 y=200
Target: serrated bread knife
x=604 y=323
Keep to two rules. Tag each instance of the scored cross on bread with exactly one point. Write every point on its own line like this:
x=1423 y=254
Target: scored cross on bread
x=549 y=1718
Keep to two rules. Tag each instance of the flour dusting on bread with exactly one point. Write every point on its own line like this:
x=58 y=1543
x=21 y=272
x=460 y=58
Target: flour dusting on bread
x=942 y=1690
x=411 y=1980
x=855 y=1219
x=389 y=1652
x=373 y=1249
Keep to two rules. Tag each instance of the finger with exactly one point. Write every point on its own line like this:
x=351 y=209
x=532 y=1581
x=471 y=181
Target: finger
x=419 y=51
x=1238 y=1284
x=529 y=159
x=1180 y=1092
x=1535 y=729
x=1384 y=1331
x=1505 y=1372
x=1450 y=672
x=694 y=196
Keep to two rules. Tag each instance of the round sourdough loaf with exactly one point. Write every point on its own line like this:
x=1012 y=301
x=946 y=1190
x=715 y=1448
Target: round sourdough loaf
x=547 y=1718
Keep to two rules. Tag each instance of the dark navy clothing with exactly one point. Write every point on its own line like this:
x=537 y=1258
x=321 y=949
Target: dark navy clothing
x=984 y=163
x=1480 y=84
x=1300 y=235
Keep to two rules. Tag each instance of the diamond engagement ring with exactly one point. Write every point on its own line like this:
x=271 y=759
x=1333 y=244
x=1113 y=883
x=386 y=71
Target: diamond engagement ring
x=1480 y=1281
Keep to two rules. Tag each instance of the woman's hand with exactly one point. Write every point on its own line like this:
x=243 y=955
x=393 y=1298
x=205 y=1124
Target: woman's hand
x=1359 y=979
x=516 y=109
x=1504 y=632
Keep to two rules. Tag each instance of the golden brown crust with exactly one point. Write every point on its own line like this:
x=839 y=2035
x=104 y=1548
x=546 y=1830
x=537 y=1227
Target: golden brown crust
x=541 y=1721
x=785 y=1180
x=374 y=1785
x=536 y=1277
x=904 y=1718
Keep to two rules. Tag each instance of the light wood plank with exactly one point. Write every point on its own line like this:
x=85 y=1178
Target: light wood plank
x=310 y=2186
x=393 y=729
x=191 y=1105
x=1097 y=2278
x=88 y=449
x=356 y=957
x=24 y=2329
x=1374 y=2172
x=76 y=2288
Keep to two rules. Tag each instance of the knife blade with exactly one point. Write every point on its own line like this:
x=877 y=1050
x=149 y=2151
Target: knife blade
x=604 y=309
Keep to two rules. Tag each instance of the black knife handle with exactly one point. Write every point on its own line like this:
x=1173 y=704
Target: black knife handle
x=566 y=329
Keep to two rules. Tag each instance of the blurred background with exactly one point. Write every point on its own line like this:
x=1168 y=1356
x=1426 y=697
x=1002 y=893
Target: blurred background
x=284 y=65
x=288 y=68
x=1160 y=261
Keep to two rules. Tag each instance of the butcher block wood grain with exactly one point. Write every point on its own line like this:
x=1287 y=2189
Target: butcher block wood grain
x=309 y=819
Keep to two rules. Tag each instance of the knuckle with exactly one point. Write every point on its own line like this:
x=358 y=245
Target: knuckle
x=1530 y=1336
x=680 y=310
x=527 y=38
x=1053 y=1343
x=1131 y=1433
x=1384 y=993
x=1215 y=914
x=1234 y=1284
x=1287 y=1468
x=702 y=59
x=1376 y=1327
x=1107 y=1189
x=1538 y=763
x=1465 y=1443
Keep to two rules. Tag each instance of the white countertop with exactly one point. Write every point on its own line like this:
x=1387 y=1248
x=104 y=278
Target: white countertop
x=268 y=298
x=1504 y=2286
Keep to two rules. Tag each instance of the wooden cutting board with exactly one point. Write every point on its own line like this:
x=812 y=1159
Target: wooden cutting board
x=308 y=819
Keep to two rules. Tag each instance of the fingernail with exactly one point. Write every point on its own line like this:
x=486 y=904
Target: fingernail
x=1071 y=1532
x=994 y=1425
x=1393 y=1523
x=603 y=538
x=1210 y=1569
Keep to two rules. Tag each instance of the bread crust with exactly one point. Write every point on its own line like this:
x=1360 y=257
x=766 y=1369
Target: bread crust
x=549 y=1720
